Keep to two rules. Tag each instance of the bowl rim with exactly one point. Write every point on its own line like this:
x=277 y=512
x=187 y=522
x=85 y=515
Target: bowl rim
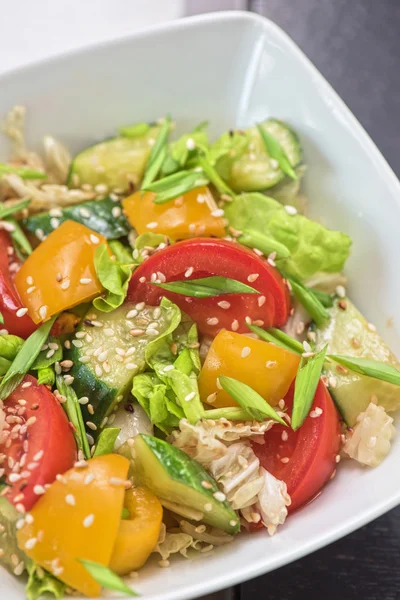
x=250 y=570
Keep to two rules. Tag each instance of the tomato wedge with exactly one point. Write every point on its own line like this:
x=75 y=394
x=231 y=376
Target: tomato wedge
x=311 y=450
x=204 y=257
x=10 y=302
x=37 y=444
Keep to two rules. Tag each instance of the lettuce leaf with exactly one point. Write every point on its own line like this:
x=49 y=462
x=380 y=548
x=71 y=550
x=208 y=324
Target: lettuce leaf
x=171 y=392
x=312 y=247
x=10 y=345
x=41 y=582
x=114 y=277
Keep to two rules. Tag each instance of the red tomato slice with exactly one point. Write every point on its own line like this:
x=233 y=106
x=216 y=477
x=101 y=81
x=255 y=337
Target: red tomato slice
x=38 y=450
x=10 y=301
x=204 y=257
x=311 y=450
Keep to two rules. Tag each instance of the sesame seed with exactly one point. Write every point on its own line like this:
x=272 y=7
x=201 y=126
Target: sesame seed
x=285 y=460
x=69 y=379
x=54 y=222
x=88 y=521
x=84 y=212
x=340 y=291
x=131 y=366
x=281 y=404
x=371 y=327
x=190 y=396
x=67 y=344
x=164 y=563
x=189 y=272
x=30 y=421
x=85 y=280
x=19 y=569
x=332 y=381
x=77 y=343
x=248 y=320
x=90 y=409
x=117 y=481
x=29 y=280
x=284 y=436
x=21 y=312
x=70 y=499
x=38 y=490
x=152 y=331
x=220 y=496
x=50 y=353
x=218 y=384
x=102 y=356
x=94 y=239
x=31 y=289
x=235 y=325
x=207 y=485
x=245 y=352
x=291 y=210
x=152 y=225
x=217 y=212
x=136 y=332
x=337 y=458
x=317 y=412
x=212 y=321
x=307 y=347
x=98 y=371
x=43 y=312
x=253 y=277
x=208 y=507
x=142 y=279
x=88 y=479
x=211 y=398
x=190 y=144
x=7 y=226
x=132 y=314
x=271 y=262
x=224 y=304
x=14 y=477
x=91 y=425
x=270 y=364
x=140 y=306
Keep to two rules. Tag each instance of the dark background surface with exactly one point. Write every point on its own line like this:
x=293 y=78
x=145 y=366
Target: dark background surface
x=356 y=46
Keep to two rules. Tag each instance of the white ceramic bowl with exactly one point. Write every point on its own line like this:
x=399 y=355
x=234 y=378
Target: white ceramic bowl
x=235 y=69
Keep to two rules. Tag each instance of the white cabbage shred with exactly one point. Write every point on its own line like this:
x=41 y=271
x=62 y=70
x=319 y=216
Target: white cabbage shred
x=223 y=448
x=369 y=441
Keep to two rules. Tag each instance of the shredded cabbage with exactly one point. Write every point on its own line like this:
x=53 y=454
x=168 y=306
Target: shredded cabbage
x=369 y=442
x=223 y=449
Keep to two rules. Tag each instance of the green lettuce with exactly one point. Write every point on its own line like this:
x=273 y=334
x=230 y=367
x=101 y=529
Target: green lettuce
x=170 y=392
x=46 y=376
x=312 y=247
x=10 y=345
x=114 y=277
x=43 y=361
x=106 y=441
x=41 y=582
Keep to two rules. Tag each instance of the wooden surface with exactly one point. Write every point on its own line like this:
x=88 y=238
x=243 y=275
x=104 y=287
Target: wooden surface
x=356 y=46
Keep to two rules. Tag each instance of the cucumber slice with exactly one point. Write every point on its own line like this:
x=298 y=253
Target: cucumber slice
x=252 y=169
x=96 y=214
x=8 y=537
x=348 y=333
x=173 y=476
x=116 y=163
x=106 y=357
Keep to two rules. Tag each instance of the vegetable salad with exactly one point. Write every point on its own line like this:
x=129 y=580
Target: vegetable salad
x=179 y=360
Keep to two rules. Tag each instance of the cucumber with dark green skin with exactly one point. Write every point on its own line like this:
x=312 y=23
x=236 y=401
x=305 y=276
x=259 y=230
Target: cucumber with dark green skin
x=250 y=168
x=118 y=162
x=173 y=476
x=105 y=389
x=96 y=214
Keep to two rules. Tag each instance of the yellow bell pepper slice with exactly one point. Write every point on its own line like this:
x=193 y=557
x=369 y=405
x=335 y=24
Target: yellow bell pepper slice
x=268 y=369
x=77 y=517
x=187 y=216
x=138 y=535
x=60 y=272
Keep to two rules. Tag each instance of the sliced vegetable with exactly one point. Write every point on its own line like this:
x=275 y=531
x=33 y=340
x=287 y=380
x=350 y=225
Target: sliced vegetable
x=275 y=151
x=249 y=400
x=180 y=481
x=73 y=410
x=107 y=353
x=8 y=541
x=61 y=271
x=24 y=359
x=193 y=259
x=114 y=278
x=207 y=287
x=249 y=167
x=311 y=450
x=45 y=439
x=157 y=154
x=305 y=385
x=194 y=213
x=80 y=517
x=23 y=172
x=106 y=577
x=176 y=185
x=103 y=216
x=138 y=533
x=267 y=369
x=279 y=338
x=106 y=441
x=312 y=247
x=116 y=163
x=310 y=301
x=10 y=302
x=41 y=582
x=348 y=333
